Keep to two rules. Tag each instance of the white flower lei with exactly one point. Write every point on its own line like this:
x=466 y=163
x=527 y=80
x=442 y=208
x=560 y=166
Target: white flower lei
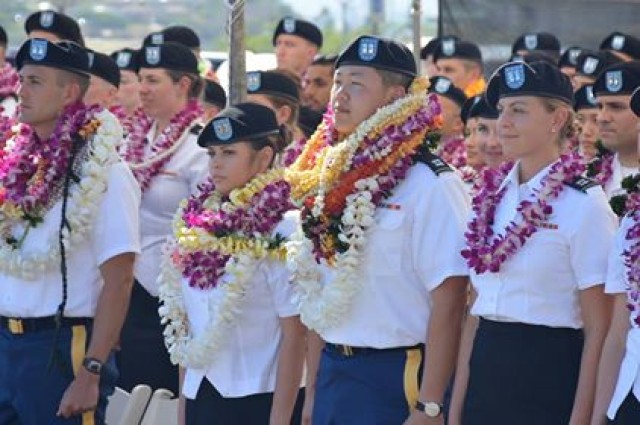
x=185 y=349
x=324 y=305
x=84 y=200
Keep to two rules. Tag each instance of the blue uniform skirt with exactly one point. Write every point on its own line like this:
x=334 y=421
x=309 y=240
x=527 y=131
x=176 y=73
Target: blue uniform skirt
x=522 y=374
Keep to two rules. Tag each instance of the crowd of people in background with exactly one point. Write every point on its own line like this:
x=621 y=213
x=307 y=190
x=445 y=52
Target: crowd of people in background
x=358 y=243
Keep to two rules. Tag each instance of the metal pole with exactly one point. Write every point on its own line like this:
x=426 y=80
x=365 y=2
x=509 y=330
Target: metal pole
x=440 y=17
x=237 y=65
x=416 y=15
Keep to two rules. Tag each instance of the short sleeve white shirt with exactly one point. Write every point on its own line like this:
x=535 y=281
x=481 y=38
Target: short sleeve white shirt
x=115 y=231
x=180 y=177
x=629 y=374
x=539 y=284
x=247 y=364
x=411 y=249
x=619 y=172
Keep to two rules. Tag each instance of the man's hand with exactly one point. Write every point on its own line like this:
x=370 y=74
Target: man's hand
x=81 y=396
x=419 y=418
x=307 y=408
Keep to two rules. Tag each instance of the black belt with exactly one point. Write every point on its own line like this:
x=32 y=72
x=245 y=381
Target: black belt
x=35 y=324
x=350 y=351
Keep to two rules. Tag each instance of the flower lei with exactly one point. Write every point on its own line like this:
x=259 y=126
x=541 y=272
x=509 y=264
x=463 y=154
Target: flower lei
x=453 y=152
x=468 y=174
x=485 y=251
x=339 y=186
x=146 y=166
x=218 y=244
x=601 y=167
x=632 y=254
x=9 y=81
x=31 y=176
x=293 y=151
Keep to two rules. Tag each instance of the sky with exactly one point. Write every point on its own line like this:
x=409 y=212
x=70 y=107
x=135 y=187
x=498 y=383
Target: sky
x=395 y=9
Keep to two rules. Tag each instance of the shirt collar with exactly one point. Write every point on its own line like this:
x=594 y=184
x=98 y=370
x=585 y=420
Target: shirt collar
x=512 y=177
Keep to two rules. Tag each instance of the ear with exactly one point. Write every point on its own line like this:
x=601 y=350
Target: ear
x=283 y=114
x=264 y=158
x=183 y=84
x=71 y=92
x=560 y=117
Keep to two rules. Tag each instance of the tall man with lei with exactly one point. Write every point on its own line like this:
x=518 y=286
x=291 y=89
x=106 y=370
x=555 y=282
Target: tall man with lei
x=161 y=150
x=69 y=219
x=382 y=220
x=231 y=322
x=618 y=390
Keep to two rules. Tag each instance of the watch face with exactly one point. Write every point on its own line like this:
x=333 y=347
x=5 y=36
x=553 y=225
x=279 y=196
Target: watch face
x=432 y=409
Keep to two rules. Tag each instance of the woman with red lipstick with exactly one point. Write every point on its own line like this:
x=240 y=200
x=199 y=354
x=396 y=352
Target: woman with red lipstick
x=536 y=246
x=162 y=152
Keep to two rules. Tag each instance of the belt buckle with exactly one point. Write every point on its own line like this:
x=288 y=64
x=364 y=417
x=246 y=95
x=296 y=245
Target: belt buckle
x=346 y=350
x=15 y=326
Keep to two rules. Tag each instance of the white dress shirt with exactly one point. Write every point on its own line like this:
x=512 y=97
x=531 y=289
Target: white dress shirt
x=539 y=284
x=411 y=249
x=619 y=172
x=629 y=375
x=180 y=177
x=247 y=363
x=115 y=231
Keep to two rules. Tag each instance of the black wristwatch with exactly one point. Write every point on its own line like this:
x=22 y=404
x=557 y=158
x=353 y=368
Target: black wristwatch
x=430 y=408
x=92 y=365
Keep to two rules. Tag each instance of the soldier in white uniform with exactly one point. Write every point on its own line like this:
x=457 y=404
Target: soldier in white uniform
x=618 y=393
x=385 y=302
x=537 y=246
x=69 y=217
x=162 y=151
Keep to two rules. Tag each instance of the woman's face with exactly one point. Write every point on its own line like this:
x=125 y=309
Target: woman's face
x=160 y=96
x=524 y=126
x=233 y=165
x=474 y=158
x=589 y=134
x=488 y=143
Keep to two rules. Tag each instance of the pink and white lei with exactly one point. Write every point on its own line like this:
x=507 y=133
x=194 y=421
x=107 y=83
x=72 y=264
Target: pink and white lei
x=486 y=251
x=632 y=257
x=147 y=160
x=452 y=151
x=9 y=81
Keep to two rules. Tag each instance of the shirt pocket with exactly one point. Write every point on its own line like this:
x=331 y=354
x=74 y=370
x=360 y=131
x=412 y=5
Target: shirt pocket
x=386 y=240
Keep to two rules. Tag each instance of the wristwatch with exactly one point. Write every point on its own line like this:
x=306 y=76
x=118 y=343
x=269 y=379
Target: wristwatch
x=92 y=365
x=430 y=408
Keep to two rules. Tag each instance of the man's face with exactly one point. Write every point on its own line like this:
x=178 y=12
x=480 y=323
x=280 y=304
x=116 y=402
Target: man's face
x=41 y=95
x=617 y=122
x=451 y=121
x=316 y=87
x=294 y=53
x=357 y=93
x=460 y=72
x=100 y=92
x=129 y=92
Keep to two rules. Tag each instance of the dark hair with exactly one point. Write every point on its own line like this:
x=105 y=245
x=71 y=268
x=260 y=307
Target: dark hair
x=196 y=83
x=276 y=141
x=65 y=77
x=390 y=78
x=325 y=60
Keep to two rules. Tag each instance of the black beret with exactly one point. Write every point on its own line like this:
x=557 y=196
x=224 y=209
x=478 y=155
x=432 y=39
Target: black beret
x=444 y=87
x=65 y=27
x=65 y=55
x=569 y=57
x=477 y=107
x=539 y=79
x=104 y=67
x=618 y=79
x=591 y=64
x=240 y=122
x=432 y=45
x=536 y=41
x=300 y=28
x=172 y=56
x=308 y=120
x=272 y=83
x=3 y=36
x=183 y=35
x=623 y=43
x=214 y=94
x=635 y=102
x=451 y=48
x=126 y=59
x=531 y=57
x=380 y=53
x=584 y=98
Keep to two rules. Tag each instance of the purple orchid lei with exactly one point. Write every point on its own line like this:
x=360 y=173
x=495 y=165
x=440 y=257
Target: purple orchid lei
x=146 y=167
x=485 y=251
x=632 y=258
x=23 y=179
x=9 y=80
x=293 y=151
x=259 y=218
x=453 y=152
